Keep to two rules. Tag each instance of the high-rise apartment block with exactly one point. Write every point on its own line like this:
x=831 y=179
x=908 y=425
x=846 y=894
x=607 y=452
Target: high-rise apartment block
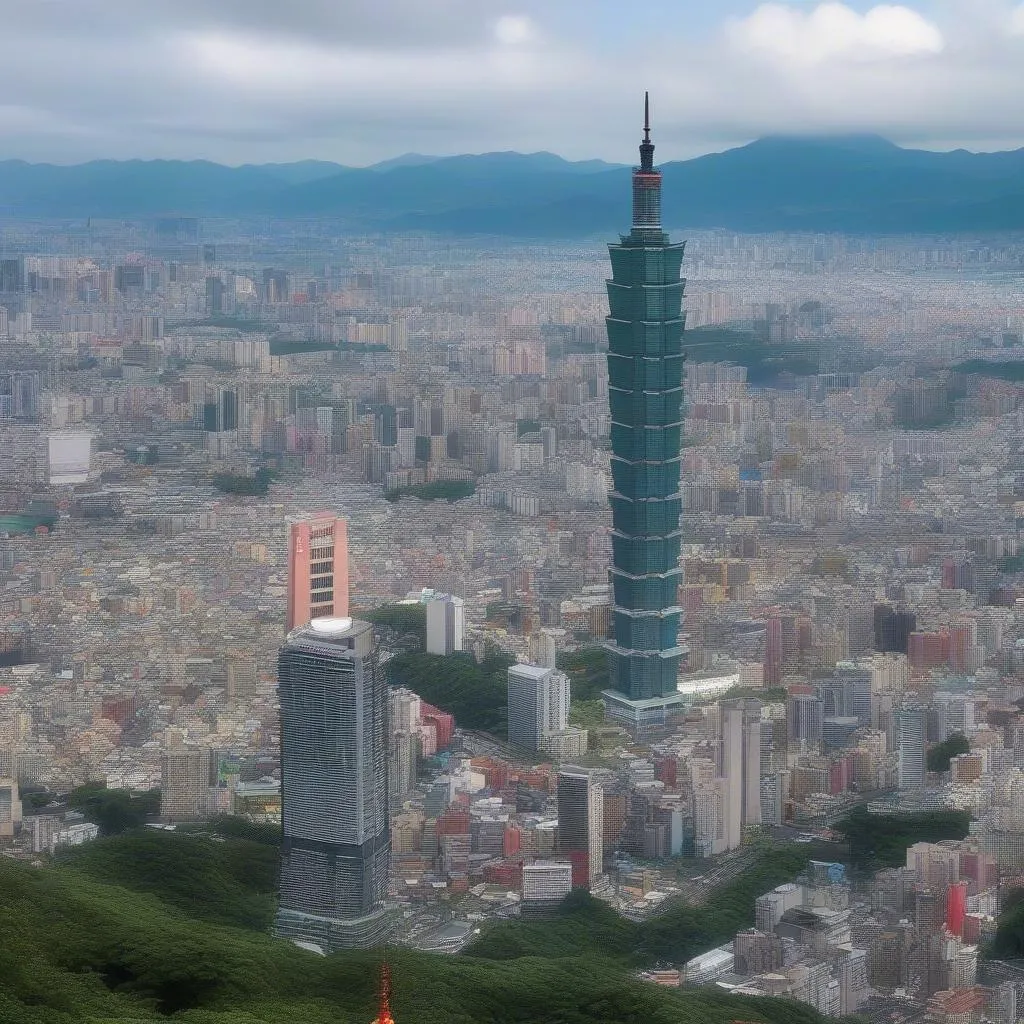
x=911 y=733
x=334 y=786
x=10 y=806
x=538 y=705
x=317 y=570
x=710 y=816
x=446 y=626
x=645 y=377
x=545 y=885
x=739 y=754
x=804 y=720
x=581 y=824
x=187 y=775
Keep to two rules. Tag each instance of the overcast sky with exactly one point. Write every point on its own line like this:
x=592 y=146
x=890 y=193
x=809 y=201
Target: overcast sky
x=361 y=80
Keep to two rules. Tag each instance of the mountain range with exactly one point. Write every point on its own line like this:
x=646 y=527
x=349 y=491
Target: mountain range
x=853 y=184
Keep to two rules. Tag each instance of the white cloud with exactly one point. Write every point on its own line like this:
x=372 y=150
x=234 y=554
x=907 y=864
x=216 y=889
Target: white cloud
x=834 y=31
x=292 y=69
x=514 y=29
x=1017 y=21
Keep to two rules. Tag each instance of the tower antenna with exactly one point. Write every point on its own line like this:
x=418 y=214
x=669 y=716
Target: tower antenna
x=647 y=147
x=384 y=1008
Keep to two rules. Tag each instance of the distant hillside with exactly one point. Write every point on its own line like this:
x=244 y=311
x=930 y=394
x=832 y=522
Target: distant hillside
x=76 y=948
x=849 y=184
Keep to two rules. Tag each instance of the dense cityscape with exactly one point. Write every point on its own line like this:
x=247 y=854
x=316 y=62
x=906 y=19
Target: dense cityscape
x=490 y=587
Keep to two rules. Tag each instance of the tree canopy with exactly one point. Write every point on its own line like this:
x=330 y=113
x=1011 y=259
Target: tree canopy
x=449 y=490
x=401 y=620
x=587 y=670
x=238 y=483
x=79 y=949
x=476 y=694
x=114 y=810
x=942 y=753
x=881 y=840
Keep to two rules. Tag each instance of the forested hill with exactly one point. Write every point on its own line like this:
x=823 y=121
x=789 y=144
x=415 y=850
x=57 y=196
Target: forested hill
x=859 y=184
x=75 y=947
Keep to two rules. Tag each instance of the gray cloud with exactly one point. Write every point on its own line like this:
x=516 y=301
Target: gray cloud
x=386 y=22
x=241 y=80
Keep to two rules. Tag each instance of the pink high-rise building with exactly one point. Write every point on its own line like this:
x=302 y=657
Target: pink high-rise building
x=956 y=907
x=317 y=570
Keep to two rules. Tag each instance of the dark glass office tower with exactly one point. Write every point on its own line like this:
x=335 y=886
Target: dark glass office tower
x=645 y=376
x=334 y=788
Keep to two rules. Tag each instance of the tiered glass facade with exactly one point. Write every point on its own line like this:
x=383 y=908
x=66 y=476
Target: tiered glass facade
x=645 y=376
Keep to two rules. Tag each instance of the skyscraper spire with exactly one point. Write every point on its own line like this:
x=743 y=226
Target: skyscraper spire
x=646 y=181
x=647 y=147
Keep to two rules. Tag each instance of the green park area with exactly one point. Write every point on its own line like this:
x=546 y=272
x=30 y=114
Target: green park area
x=438 y=490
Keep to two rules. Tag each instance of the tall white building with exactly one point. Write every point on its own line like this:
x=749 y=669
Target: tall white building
x=538 y=705
x=709 y=825
x=769 y=908
x=403 y=749
x=739 y=764
x=911 y=729
x=446 y=624
x=545 y=885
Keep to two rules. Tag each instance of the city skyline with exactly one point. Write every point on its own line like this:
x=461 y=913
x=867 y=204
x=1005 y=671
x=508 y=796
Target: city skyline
x=736 y=652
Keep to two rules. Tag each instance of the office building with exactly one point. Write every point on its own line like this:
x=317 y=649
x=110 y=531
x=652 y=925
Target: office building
x=446 y=626
x=645 y=374
x=757 y=952
x=893 y=627
x=545 y=885
x=956 y=908
x=336 y=844
x=405 y=743
x=710 y=817
x=12 y=275
x=739 y=763
x=538 y=705
x=770 y=908
x=186 y=777
x=581 y=824
x=848 y=693
x=317 y=570
x=10 y=807
x=804 y=720
x=567 y=744
x=911 y=732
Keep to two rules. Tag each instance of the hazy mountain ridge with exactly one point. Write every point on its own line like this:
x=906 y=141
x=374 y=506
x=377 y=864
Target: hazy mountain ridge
x=849 y=184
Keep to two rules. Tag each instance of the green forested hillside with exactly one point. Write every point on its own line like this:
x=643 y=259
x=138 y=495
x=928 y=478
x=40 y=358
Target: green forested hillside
x=224 y=882
x=74 y=948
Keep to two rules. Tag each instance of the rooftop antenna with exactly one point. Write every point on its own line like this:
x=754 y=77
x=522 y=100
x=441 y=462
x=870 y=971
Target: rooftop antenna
x=384 y=1009
x=647 y=147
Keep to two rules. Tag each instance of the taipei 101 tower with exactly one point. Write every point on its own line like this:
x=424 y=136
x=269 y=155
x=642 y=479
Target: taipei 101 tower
x=645 y=378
